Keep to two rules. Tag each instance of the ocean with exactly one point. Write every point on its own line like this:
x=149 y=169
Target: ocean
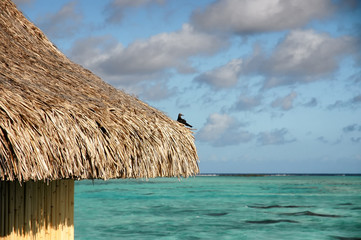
x=220 y=207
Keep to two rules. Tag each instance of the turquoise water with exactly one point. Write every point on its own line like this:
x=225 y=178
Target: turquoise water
x=272 y=207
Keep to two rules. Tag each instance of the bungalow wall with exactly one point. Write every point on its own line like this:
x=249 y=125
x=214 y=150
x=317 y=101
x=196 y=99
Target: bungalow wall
x=37 y=210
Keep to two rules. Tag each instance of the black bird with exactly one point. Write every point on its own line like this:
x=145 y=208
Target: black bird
x=181 y=120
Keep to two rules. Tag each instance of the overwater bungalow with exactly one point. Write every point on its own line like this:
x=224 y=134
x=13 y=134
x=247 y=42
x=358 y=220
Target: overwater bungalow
x=59 y=123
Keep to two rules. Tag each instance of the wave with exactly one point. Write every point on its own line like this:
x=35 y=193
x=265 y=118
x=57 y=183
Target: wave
x=278 y=206
x=346 y=238
x=272 y=221
x=309 y=213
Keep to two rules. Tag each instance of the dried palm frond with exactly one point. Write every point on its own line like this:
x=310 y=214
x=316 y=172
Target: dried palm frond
x=59 y=120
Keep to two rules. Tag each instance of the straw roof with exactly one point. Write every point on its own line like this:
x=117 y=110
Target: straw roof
x=59 y=120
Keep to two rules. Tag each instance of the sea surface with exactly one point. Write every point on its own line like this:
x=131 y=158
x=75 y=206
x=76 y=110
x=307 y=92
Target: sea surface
x=220 y=207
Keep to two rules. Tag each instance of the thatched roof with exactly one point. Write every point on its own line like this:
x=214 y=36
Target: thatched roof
x=59 y=120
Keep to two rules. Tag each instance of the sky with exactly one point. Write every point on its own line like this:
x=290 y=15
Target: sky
x=270 y=86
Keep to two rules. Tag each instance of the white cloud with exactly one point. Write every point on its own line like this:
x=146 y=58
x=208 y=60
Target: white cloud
x=134 y=3
x=245 y=103
x=17 y=2
x=337 y=105
x=275 y=137
x=216 y=125
x=155 y=91
x=142 y=67
x=356 y=99
x=225 y=76
x=302 y=56
x=355 y=139
x=352 y=103
x=308 y=54
x=144 y=59
x=352 y=128
x=116 y=8
x=254 y=16
x=353 y=132
x=285 y=103
x=166 y=50
x=222 y=130
x=62 y=24
x=322 y=139
x=312 y=103
x=91 y=51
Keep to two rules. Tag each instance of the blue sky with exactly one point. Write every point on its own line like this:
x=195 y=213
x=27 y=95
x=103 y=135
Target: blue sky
x=271 y=86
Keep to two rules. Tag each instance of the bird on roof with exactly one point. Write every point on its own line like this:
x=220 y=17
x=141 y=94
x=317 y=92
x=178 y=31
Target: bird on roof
x=181 y=120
